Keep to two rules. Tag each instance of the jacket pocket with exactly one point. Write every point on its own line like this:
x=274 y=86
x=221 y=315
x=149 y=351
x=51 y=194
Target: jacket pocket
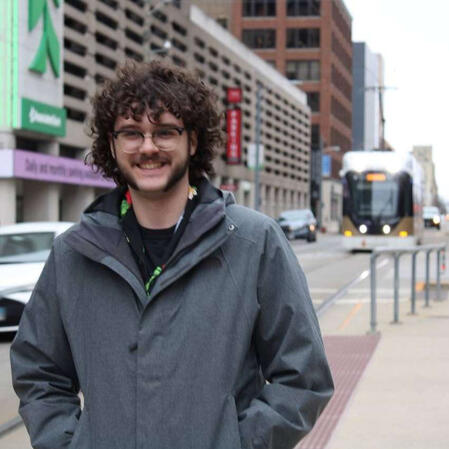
x=232 y=423
x=80 y=439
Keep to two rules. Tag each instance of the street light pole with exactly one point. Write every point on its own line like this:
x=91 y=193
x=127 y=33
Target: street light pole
x=256 y=165
x=146 y=36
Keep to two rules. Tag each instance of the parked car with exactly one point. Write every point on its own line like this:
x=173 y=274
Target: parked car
x=24 y=248
x=298 y=223
x=432 y=217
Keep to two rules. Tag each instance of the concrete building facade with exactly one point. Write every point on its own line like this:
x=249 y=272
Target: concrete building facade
x=309 y=41
x=423 y=154
x=47 y=179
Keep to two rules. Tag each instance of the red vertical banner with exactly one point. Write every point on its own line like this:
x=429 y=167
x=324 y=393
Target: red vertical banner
x=234 y=94
x=234 y=144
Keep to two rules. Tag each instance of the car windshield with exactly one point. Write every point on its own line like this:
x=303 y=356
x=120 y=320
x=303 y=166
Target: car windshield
x=294 y=215
x=25 y=247
x=430 y=211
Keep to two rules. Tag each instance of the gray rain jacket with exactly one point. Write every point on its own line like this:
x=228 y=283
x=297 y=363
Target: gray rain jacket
x=225 y=352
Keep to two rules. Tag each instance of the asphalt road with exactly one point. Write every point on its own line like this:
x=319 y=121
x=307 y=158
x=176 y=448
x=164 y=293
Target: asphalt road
x=329 y=270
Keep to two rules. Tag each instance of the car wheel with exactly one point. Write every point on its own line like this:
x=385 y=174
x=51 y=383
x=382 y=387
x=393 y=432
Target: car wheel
x=311 y=238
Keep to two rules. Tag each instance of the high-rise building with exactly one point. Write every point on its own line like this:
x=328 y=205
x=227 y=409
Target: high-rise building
x=55 y=56
x=367 y=98
x=309 y=41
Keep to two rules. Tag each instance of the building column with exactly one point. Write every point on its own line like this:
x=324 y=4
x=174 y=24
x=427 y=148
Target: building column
x=7 y=141
x=8 y=201
x=74 y=199
x=40 y=201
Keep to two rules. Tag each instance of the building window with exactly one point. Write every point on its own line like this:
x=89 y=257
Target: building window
x=303 y=7
x=313 y=100
x=258 y=8
x=222 y=21
x=303 y=70
x=315 y=138
x=303 y=37
x=77 y=4
x=259 y=38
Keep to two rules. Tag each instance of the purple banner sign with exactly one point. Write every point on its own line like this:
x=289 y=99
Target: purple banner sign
x=41 y=167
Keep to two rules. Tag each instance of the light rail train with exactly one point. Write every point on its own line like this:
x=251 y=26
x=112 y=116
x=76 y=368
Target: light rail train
x=382 y=200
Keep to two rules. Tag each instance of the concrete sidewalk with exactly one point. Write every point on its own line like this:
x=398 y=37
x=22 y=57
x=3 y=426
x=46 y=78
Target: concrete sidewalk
x=401 y=400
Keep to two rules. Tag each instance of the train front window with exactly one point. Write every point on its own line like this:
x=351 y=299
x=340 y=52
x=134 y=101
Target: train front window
x=375 y=199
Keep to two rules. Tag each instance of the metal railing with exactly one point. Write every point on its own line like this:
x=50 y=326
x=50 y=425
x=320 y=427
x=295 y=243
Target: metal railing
x=397 y=253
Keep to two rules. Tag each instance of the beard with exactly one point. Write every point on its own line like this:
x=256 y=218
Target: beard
x=179 y=171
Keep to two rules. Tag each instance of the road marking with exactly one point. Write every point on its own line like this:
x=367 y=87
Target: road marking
x=344 y=290
x=352 y=313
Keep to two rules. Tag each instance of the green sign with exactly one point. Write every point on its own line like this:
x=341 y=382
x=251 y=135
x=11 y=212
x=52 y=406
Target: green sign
x=49 y=45
x=43 y=118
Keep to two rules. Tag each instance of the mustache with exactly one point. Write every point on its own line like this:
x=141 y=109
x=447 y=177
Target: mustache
x=155 y=158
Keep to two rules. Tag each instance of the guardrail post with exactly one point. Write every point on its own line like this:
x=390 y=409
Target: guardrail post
x=413 y=299
x=438 y=274
x=396 y=288
x=373 y=318
x=427 y=277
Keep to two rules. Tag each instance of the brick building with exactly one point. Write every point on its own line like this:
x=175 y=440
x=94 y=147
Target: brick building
x=309 y=41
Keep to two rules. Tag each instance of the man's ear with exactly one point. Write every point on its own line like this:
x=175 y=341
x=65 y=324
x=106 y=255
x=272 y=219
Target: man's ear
x=193 y=142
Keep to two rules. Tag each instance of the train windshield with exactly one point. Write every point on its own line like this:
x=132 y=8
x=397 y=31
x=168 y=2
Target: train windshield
x=374 y=199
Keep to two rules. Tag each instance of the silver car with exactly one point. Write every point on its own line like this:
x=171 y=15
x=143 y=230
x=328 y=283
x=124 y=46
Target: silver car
x=24 y=248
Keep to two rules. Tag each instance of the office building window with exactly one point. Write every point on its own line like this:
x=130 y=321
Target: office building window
x=259 y=38
x=303 y=70
x=315 y=138
x=313 y=100
x=303 y=37
x=303 y=7
x=258 y=8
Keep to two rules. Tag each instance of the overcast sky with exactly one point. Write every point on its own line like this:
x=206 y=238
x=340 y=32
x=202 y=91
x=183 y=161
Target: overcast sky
x=413 y=38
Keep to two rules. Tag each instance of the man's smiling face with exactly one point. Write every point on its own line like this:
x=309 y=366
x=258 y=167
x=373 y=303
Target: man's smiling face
x=150 y=170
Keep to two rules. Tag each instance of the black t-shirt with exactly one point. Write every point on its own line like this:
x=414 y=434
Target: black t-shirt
x=156 y=242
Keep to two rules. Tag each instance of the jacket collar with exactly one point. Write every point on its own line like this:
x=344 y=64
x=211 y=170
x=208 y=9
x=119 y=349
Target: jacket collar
x=100 y=237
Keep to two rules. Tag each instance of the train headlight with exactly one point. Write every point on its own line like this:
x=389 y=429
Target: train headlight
x=386 y=229
x=363 y=229
x=436 y=219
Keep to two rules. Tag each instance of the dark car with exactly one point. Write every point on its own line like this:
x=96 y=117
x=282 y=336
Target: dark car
x=432 y=217
x=298 y=223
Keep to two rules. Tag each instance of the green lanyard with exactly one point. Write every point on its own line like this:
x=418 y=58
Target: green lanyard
x=124 y=208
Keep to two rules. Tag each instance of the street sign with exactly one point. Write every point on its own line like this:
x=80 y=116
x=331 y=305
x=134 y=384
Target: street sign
x=234 y=94
x=252 y=156
x=326 y=165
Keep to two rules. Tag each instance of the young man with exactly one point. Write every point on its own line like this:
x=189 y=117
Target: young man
x=183 y=318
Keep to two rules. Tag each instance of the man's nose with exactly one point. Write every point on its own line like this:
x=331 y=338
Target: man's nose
x=148 y=145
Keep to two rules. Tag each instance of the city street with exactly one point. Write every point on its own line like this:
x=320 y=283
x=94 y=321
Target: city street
x=331 y=272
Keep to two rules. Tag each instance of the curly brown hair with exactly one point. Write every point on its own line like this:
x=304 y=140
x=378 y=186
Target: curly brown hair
x=158 y=87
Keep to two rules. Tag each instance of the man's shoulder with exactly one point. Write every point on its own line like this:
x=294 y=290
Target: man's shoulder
x=250 y=222
x=243 y=214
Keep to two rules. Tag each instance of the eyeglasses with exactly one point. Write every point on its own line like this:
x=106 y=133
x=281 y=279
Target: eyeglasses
x=165 y=138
